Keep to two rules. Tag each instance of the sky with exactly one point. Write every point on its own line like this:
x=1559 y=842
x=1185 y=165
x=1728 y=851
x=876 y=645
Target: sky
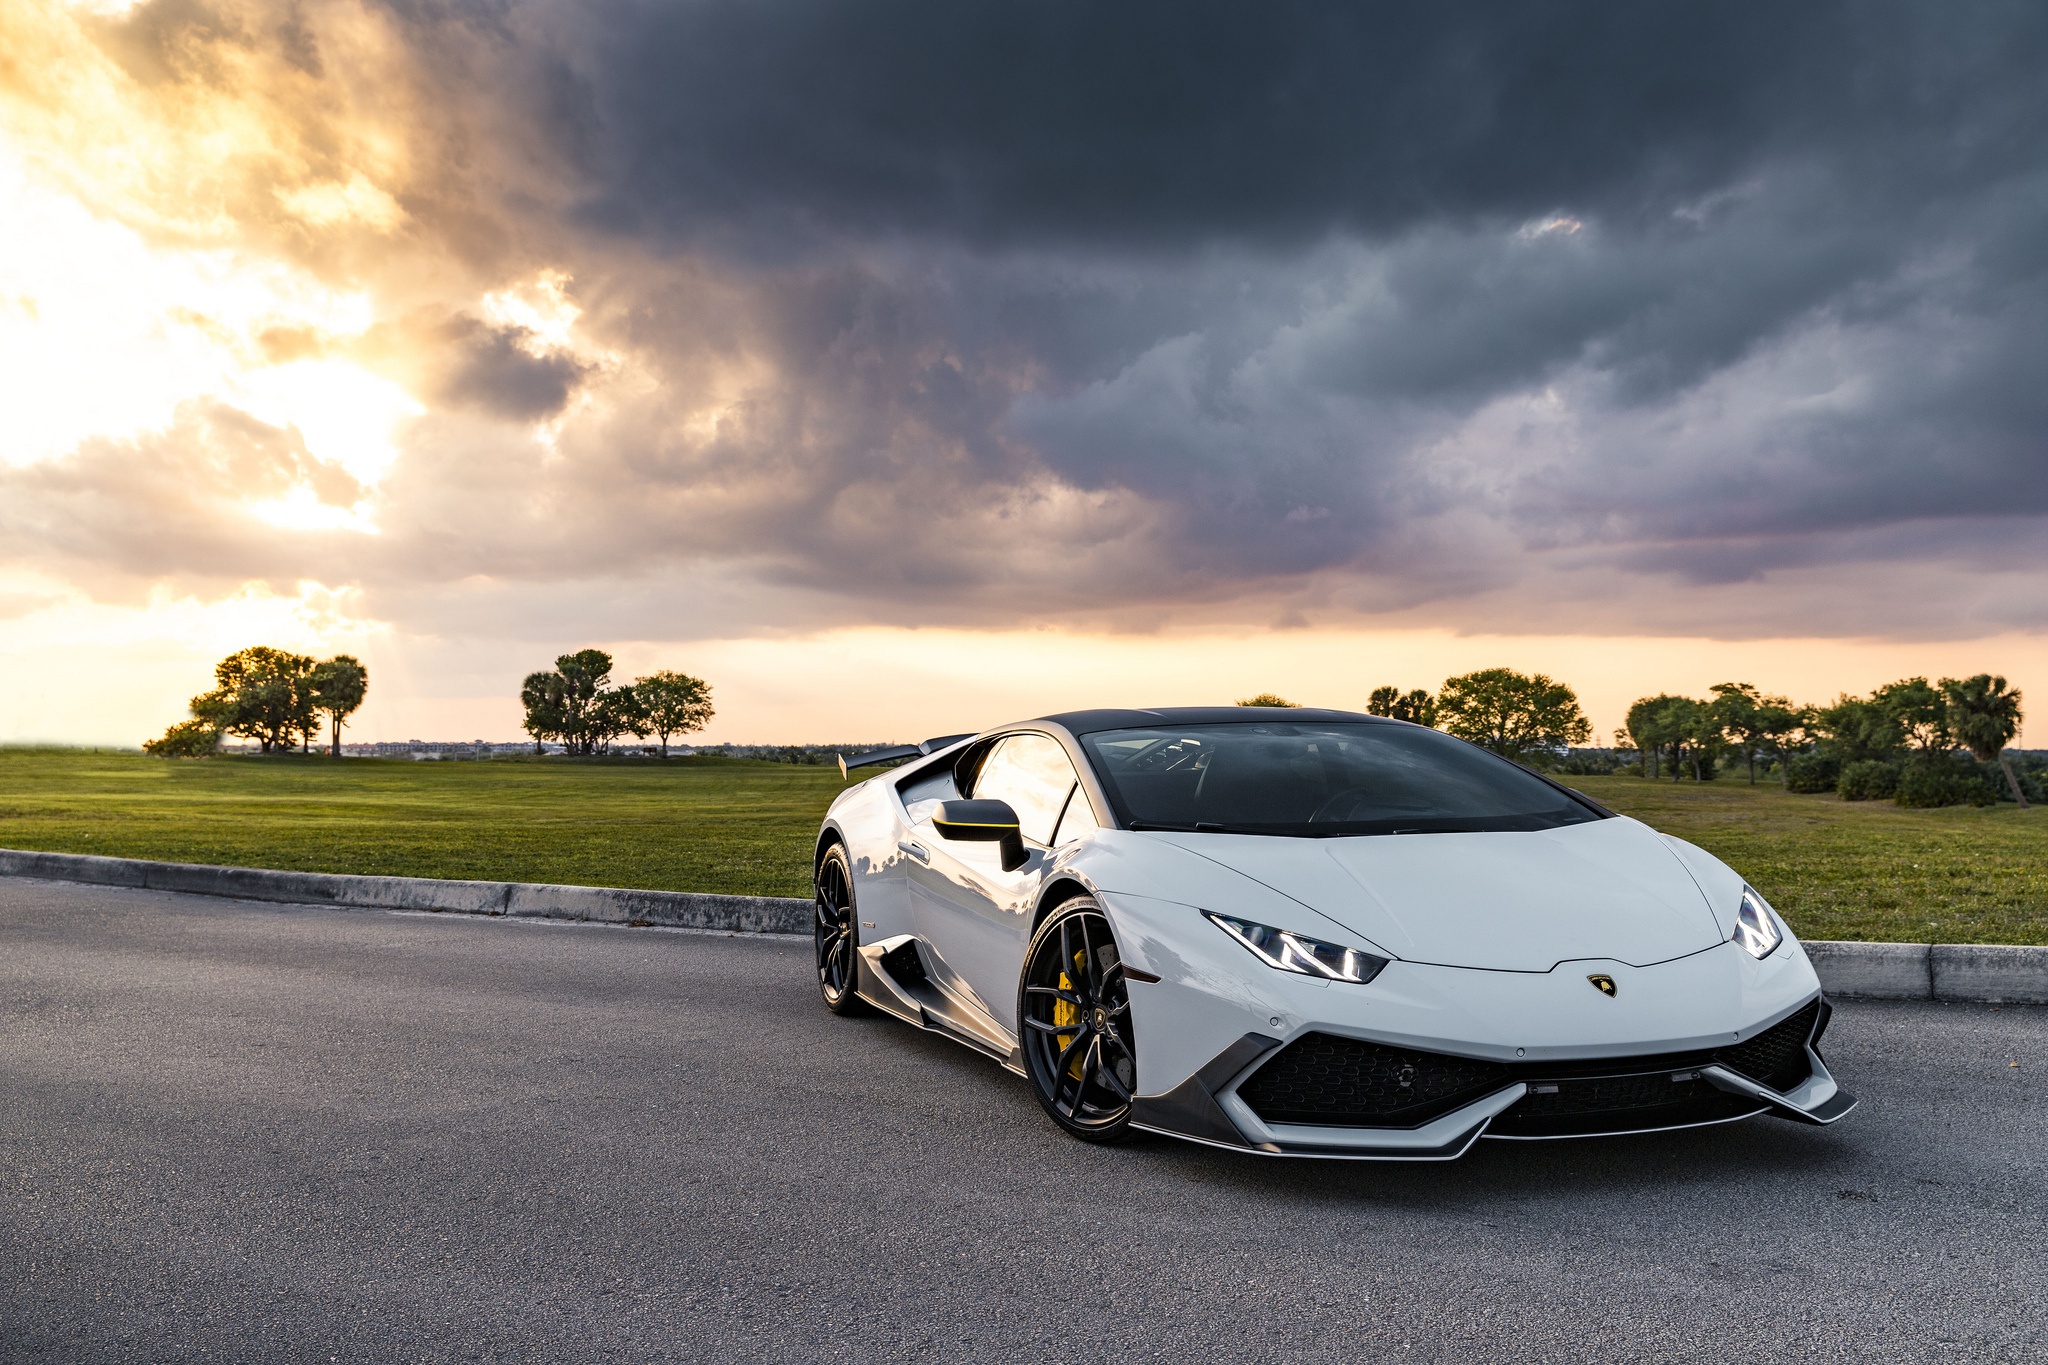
x=911 y=367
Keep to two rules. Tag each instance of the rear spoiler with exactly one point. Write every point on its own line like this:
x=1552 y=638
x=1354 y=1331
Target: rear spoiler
x=901 y=751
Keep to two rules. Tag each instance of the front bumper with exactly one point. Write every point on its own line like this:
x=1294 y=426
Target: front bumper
x=1424 y=1061
x=1329 y=1096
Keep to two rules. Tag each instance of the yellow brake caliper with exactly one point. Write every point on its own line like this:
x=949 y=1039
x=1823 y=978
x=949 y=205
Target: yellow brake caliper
x=1065 y=1015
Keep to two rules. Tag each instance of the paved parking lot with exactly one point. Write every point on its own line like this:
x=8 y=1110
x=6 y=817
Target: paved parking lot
x=245 y=1132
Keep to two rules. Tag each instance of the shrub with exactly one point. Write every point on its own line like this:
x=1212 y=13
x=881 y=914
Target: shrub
x=1591 y=762
x=2032 y=773
x=186 y=739
x=1812 y=772
x=1947 y=780
x=1869 y=779
x=1268 y=699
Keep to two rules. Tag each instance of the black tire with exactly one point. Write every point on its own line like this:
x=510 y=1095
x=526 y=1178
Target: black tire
x=835 y=933
x=1074 y=1011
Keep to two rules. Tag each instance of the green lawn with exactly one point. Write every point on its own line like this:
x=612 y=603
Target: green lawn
x=1834 y=869
x=685 y=825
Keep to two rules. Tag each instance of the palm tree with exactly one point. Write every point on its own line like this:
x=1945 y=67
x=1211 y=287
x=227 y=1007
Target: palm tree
x=1984 y=717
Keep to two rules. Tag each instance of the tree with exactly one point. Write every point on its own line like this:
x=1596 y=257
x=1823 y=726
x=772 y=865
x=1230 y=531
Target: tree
x=1733 y=713
x=1782 y=727
x=1676 y=724
x=1855 y=729
x=614 y=712
x=1983 y=716
x=576 y=703
x=1267 y=699
x=262 y=694
x=1666 y=723
x=1511 y=713
x=1749 y=720
x=1416 y=706
x=545 y=696
x=585 y=674
x=1703 y=741
x=271 y=696
x=673 y=703
x=338 y=686
x=1645 y=731
x=1920 y=713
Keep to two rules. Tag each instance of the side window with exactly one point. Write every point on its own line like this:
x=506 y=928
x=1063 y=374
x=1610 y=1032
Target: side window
x=1030 y=772
x=1077 y=822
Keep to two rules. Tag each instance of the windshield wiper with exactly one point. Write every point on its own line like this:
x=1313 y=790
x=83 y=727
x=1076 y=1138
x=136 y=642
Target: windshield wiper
x=1205 y=827
x=1292 y=831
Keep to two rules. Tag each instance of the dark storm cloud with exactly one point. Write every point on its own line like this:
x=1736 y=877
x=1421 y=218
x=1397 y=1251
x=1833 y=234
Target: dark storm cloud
x=499 y=370
x=1173 y=122
x=1261 y=263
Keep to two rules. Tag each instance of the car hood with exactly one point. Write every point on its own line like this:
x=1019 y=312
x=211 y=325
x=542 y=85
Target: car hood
x=1507 y=902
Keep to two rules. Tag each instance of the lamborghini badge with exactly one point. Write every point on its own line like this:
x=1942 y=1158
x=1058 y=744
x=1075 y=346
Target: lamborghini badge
x=1602 y=983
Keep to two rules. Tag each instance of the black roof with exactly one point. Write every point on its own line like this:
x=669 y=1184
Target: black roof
x=1089 y=722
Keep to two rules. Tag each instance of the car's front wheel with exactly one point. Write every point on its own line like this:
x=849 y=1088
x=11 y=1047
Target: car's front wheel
x=1075 y=1008
x=836 y=933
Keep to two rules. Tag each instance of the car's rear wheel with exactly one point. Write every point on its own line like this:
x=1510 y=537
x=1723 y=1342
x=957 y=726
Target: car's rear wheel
x=835 y=932
x=1075 y=1011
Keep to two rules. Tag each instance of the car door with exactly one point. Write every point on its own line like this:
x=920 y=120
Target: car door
x=975 y=916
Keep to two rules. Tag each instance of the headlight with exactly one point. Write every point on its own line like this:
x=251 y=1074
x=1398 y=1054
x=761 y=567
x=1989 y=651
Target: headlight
x=1291 y=952
x=1756 y=929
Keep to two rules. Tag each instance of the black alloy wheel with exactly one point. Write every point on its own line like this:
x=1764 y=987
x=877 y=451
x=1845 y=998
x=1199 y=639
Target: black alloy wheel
x=836 y=933
x=1076 y=1012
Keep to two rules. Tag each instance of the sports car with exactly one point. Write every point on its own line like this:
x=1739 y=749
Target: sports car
x=1309 y=933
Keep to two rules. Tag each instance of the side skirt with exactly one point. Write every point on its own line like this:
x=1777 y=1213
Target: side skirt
x=892 y=978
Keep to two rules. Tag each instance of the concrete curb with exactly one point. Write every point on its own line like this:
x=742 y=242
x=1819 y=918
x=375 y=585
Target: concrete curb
x=1872 y=971
x=1973 y=973
x=595 y=904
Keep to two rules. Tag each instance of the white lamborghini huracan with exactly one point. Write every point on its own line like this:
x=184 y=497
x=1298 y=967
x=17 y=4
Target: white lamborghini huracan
x=1310 y=933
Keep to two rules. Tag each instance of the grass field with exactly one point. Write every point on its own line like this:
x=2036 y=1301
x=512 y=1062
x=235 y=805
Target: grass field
x=1835 y=869
x=685 y=825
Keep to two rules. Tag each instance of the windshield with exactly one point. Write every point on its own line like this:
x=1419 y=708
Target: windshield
x=1276 y=778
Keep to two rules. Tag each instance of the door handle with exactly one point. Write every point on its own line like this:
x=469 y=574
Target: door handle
x=914 y=850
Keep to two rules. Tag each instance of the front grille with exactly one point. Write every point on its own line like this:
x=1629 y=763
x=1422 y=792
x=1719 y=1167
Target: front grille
x=1323 y=1079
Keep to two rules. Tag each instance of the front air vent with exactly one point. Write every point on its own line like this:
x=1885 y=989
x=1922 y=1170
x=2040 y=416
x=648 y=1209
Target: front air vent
x=903 y=963
x=1321 y=1078
x=1777 y=1056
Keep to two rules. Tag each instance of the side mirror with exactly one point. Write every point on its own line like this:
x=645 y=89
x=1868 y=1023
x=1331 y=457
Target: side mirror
x=982 y=822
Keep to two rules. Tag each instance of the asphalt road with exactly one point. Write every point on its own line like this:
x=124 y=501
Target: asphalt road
x=247 y=1132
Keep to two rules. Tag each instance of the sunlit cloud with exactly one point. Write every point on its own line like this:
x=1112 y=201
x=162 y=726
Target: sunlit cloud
x=540 y=308
x=332 y=203
x=347 y=415
x=103 y=334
